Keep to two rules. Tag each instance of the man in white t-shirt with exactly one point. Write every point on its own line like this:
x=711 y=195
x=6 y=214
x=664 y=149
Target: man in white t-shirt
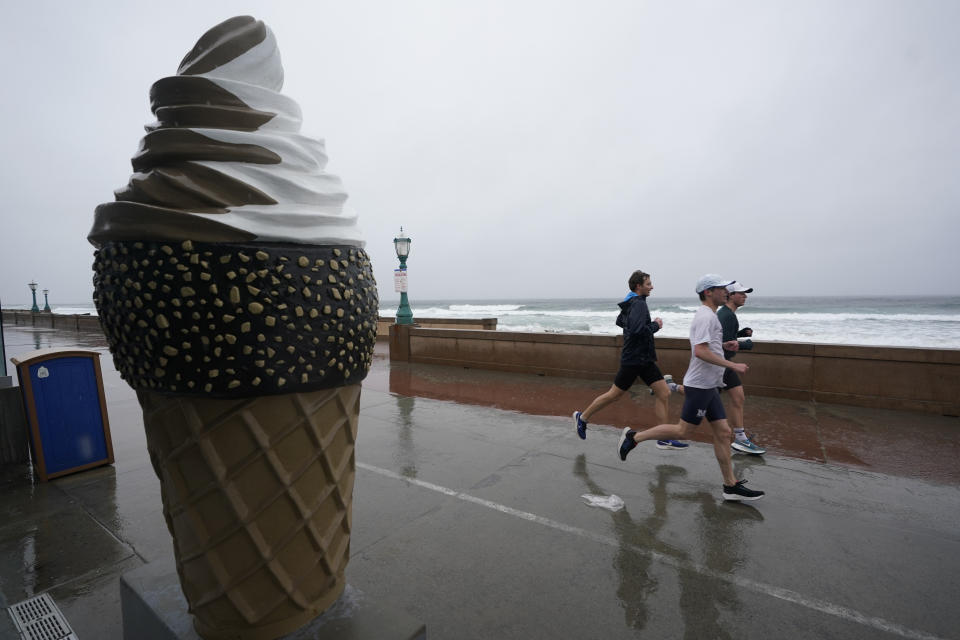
x=701 y=385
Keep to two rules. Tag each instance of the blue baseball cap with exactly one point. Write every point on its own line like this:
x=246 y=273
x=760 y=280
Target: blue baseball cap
x=712 y=280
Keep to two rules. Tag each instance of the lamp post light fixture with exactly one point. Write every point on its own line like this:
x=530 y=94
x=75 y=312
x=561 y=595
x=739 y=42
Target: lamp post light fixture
x=401 y=245
x=33 y=290
x=46 y=305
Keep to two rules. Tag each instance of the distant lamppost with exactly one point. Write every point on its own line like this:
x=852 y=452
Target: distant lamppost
x=4 y=378
x=46 y=305
x=402 y=246
x=33 y=290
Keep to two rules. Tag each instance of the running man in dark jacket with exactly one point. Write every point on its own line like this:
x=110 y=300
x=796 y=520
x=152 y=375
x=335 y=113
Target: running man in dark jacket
x=637 y=360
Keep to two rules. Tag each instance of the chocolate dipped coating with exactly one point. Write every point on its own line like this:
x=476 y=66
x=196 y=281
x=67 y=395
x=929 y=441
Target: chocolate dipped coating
x=184 y=101
x=236 y=320
x=224 y=43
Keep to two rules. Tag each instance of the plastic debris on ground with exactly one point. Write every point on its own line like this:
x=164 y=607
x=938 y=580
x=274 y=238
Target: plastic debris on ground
x=611 y=502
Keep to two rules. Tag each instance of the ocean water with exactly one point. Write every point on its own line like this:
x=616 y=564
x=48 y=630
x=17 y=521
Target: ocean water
x=932 y=322
x=904 y=322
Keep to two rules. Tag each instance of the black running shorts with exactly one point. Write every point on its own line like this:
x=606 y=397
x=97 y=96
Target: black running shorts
x=731 y=379
x=701 y=403
x=649 y=372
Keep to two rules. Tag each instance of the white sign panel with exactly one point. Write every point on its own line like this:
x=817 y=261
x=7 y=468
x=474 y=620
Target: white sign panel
x=400 y=280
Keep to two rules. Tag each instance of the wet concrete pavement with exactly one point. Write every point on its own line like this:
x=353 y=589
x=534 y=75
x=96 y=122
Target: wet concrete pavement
x=915 y=445
x=468 y=516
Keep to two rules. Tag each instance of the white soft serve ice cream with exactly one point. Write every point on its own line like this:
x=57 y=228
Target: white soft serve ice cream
x=225 y=160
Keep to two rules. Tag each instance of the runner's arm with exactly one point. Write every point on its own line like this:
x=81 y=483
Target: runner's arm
x=729 y=323
x=639 y=321
x=703 y=352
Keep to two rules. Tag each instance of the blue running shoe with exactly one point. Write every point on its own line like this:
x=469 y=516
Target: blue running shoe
x=671 y=444
x=627 y=443
x=745 y=446
x=580 y=424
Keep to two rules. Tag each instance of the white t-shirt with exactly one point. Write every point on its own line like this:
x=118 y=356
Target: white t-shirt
x=705 y=328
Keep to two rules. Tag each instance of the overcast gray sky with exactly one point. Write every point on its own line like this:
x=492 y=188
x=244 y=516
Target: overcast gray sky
x=538 y=148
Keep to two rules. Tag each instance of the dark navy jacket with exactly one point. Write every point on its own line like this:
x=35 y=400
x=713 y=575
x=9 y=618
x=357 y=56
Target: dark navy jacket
x=638 y=330
x=732 y=331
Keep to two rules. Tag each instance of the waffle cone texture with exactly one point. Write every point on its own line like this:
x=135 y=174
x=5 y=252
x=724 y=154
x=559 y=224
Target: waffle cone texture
x=257 y=494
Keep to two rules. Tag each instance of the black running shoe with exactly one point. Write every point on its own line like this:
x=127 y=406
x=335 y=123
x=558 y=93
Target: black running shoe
x=627 y=443
x=740 y=492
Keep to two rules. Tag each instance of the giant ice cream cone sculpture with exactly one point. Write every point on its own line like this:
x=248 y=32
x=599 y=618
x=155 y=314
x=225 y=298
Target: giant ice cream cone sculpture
x=237 y=300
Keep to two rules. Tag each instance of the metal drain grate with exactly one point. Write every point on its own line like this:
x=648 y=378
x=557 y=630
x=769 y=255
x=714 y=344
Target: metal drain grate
x=39 y=618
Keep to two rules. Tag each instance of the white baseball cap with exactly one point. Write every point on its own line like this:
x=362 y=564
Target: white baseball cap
x=736 y=287
x=712 y=280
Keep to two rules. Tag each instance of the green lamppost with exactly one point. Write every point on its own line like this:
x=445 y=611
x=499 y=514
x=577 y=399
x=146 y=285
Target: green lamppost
x=4 y=378
x=46 y=305
x=33 y=290
x=402 y=246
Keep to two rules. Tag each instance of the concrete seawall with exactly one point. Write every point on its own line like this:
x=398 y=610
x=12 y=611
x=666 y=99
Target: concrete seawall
x=77 y=322
x=484 y=324
x=80 y=322
x=912 y=379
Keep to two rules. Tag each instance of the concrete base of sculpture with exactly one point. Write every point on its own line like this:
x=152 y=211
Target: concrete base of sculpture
x=154 y=609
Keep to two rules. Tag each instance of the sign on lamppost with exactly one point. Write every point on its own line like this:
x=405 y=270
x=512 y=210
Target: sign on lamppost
x=400 y=280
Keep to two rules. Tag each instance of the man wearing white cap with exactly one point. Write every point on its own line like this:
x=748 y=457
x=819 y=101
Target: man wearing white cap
x=727 y=314
x=701 y=389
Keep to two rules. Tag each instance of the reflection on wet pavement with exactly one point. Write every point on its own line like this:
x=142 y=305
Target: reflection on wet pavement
x=21 y=339
x=875 y=439
x=718 y=547
x=406 y=456
x=637 y=582
x=39 y=552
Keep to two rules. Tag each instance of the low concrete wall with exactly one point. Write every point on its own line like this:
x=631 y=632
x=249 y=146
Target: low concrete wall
x=78 y=322
x=49 y=320
x=925 y=380
x=483 y=324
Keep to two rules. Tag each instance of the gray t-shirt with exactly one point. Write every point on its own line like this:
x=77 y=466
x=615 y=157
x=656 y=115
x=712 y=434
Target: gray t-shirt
x=705 y=328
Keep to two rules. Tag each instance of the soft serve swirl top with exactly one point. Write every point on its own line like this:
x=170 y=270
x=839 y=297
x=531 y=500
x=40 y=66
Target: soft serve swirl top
x=225 y=161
